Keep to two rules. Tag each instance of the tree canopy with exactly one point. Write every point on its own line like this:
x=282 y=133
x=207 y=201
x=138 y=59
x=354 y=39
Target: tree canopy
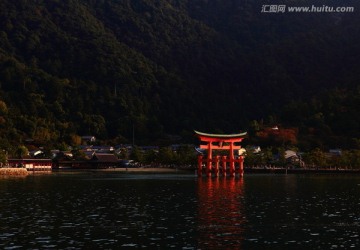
x=153 y=71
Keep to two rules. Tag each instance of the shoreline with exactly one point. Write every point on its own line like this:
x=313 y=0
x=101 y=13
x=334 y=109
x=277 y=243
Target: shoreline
x=194 y=170
x=125 y=170
x=169 y=170
x=300 y=171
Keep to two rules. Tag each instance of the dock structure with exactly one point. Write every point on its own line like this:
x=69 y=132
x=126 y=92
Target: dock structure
x=230 y=165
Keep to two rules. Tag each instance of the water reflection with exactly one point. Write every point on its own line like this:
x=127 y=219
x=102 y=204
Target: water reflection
x=96 y=211
x=221 y=215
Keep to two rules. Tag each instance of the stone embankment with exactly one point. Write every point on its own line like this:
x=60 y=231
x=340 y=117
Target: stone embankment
x=13 y=171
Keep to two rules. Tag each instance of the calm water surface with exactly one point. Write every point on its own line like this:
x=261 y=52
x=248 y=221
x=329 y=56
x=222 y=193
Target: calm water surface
x=180 y=211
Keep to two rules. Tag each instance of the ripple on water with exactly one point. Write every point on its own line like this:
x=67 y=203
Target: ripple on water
x=12 y=247
x=6 y=235
x=129 y=245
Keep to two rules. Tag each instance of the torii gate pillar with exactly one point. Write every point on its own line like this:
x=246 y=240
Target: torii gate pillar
x=220 y=142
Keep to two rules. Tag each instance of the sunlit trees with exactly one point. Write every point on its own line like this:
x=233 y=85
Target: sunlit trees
x=136 y=155
x=3 y=157
x=22 y=151
x=315 y=158
x=166 y=156
x=355 y=159
x=186 y=155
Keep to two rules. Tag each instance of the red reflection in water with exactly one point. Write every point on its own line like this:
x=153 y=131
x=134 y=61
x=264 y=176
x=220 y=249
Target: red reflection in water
x=221 y=213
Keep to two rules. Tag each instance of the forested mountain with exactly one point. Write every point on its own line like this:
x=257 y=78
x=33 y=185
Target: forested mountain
x=161 y=68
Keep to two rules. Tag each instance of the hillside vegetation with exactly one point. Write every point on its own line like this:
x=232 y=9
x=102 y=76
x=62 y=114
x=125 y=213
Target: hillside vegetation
x=159 y=69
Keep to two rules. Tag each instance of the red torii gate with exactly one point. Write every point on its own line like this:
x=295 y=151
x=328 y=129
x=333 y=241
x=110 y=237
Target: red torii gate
x=220 y=142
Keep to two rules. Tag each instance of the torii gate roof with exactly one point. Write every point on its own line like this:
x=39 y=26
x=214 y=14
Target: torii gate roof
x=223 y=137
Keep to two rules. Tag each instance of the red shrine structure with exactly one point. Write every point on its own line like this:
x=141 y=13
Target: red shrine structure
x=230 y=165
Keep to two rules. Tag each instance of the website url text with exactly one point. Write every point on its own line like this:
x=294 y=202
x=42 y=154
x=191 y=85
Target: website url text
x=306 y=9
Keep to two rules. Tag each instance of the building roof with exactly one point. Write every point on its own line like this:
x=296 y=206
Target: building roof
x=26 y=160
x=105 y=157
x=88 y=138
